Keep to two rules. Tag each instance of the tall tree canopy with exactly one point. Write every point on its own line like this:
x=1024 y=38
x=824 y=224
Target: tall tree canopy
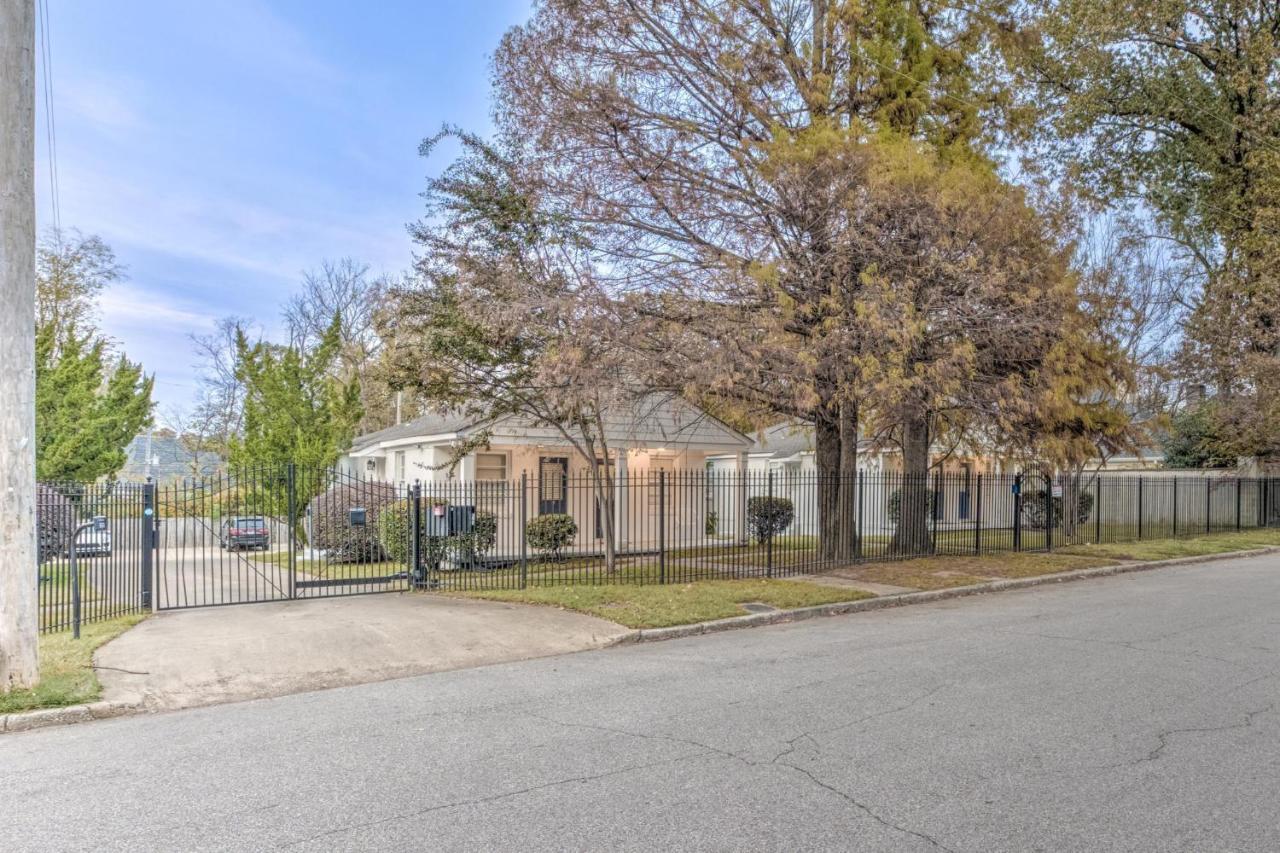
x=1177 y=104
x=719 y=160
x=294 y=408
x=90 y=401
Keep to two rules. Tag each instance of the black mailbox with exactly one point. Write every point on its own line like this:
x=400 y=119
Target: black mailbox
x=358 y=517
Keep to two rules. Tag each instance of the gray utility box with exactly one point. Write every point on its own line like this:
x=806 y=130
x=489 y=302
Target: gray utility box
x=451 y=520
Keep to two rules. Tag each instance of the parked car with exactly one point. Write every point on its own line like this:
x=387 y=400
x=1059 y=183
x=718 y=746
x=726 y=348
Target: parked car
x=245 y=531
x=91 y=543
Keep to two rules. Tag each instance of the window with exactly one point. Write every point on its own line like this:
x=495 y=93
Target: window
x=399 y=477
x=491 y=467
x=657 y=465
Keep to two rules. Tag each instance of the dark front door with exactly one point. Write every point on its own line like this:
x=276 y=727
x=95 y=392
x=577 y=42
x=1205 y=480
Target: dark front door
x=553 y=484
x=966 y=481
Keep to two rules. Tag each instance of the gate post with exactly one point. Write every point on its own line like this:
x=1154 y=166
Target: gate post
x=1237 y=503
x=291 y=485
x=1048 y=512
x=977 y=518
x=662 y=527
x=149 y=522
x=1208 y=506
x=415 y=535
x=858 y=533
x=524 y=522
x=1139 y=507
x=768 y=566
x=1017 y=512
x=1175 y=507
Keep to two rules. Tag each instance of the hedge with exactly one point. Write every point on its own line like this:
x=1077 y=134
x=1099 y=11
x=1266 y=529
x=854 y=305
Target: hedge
x=331 y=528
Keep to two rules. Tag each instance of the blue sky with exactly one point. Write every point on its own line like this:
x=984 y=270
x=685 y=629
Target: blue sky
x=223 y=148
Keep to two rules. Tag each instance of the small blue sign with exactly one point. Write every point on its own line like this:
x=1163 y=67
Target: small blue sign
x=148 y=512
x=1017 y=488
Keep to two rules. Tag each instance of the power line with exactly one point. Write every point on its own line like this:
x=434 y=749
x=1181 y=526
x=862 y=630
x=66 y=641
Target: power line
x=51 y=131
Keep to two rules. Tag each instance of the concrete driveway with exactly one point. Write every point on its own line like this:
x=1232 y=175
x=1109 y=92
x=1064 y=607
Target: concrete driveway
x=186 y=658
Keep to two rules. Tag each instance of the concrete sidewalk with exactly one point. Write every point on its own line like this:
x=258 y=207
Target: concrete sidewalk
x=186 y=658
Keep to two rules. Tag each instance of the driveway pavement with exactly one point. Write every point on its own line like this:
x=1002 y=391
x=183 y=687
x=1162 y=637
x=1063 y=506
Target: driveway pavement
x=1135 y=713
x=186 y=658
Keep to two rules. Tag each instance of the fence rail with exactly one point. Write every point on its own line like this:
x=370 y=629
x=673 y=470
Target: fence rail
x=109 y=575
x=277 y=532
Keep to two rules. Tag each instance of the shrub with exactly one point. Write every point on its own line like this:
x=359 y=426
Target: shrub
x=56 y=518
x=465 y=548
x=712 y=524
x=331 y=528
x=767 y=517
x=894 y=507
x=1033 y=508
x=550 y=533
x=480 y=540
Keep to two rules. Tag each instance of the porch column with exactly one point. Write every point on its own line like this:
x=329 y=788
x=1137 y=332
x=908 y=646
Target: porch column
x=740 y=500
x=620 y=491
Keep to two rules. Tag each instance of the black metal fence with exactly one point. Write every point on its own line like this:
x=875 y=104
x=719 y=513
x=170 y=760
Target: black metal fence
x=279 y=532
x=101 y=573
x=676 y=527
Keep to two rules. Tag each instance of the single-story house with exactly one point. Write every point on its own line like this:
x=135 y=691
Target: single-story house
x=481 y=462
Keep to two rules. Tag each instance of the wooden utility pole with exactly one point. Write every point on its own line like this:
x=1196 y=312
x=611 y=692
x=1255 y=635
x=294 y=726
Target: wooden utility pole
x=19 y=614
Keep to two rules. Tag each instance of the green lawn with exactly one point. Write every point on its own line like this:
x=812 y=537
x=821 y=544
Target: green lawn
x=1194 y=546
x=657 y=606
x=66 y=667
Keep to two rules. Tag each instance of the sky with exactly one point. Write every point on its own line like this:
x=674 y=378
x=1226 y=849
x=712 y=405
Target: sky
x=222 y=149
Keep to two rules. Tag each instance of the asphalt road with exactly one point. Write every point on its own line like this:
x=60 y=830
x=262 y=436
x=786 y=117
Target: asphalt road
x=1131 y=713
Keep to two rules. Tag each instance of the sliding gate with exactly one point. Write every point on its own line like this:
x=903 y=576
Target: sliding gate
x=277 y=532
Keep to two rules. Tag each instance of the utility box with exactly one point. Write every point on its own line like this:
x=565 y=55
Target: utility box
x=450 y=520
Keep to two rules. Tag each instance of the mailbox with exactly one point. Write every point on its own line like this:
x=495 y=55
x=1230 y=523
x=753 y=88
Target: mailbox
x=100 y=523
x=358 y=517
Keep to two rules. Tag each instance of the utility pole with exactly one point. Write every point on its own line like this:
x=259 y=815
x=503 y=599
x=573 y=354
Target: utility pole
x=19 y=613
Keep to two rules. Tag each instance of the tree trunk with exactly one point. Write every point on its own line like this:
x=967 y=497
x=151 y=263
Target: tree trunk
x=826 y=429
x=19 y=612
x=911 y=535
x=848 y=482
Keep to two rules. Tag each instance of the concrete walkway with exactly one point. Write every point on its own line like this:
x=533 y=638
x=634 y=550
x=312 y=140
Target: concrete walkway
x=223 y=654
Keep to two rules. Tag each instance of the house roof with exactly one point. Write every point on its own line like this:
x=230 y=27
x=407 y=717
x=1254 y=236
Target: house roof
x=658 y=418
x=783 y=440
x=432 y=423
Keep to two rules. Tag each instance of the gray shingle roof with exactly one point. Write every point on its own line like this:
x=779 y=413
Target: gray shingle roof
x=432 y=423
x=783 y=440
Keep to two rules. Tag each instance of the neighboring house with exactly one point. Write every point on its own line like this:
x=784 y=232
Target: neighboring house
x=164 y=457
x=787 y=452
x=661 y=434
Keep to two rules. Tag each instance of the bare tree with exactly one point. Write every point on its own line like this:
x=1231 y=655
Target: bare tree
x=220 y=398
x=345 y=289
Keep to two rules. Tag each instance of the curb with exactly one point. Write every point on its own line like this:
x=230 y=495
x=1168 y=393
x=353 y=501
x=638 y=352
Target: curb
x=905 y=599
x=22 y=721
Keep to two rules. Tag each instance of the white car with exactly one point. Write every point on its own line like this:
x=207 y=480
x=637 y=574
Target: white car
x=92 y=543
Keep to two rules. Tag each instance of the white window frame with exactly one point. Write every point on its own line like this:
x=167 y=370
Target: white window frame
x=493 y=486
x=400 y=465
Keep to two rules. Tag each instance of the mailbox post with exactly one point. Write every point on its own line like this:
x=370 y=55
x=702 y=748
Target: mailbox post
x=98 y=524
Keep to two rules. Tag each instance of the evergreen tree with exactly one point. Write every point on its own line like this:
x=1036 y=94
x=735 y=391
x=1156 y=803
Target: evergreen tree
x=294 y=408
x=89 y=406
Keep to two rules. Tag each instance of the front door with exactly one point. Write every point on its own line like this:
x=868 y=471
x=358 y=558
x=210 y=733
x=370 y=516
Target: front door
x=553 y=484
x=966 y=481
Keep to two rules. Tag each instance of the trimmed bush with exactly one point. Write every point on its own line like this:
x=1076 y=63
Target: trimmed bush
x=894 y=507
x=767 y=517
x=1033 y=508
x=331 y=528
x=463 y=548
x=480 y=540
x=550 y=533
x=56 y=518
